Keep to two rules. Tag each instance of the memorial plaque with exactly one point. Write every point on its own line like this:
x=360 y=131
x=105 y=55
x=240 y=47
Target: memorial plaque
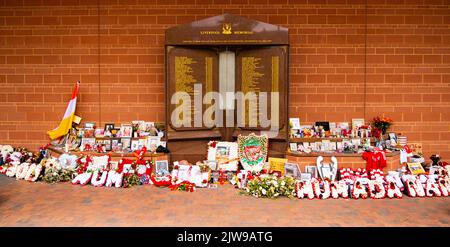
x=262 y=70
x=227 y=54
x=187 y=67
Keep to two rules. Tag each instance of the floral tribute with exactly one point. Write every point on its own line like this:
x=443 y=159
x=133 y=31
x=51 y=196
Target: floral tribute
x=271 y=186
x=382 y=124
x=253 y=150
x=99 y=171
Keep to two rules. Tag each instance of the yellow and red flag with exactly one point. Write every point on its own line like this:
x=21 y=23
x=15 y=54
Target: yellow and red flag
x=66 y=122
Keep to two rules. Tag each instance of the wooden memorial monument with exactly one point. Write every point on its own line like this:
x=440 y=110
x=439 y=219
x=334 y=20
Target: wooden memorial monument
x=226 y=56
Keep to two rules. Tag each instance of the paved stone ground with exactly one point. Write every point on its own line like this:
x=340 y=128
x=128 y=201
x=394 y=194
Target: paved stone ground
x=26 y=204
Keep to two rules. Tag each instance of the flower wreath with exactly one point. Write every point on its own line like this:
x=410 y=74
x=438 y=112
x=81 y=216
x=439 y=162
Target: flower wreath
x=183 y=186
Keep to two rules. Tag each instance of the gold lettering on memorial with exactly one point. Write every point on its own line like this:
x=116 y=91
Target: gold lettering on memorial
x=251 y=83
x=184 y=78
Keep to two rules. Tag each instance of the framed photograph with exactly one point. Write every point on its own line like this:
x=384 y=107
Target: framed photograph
x=277 y=165
x=107 y=143
x=115 y=144
x=357 y=122
x=99 y=142
x=108 y=127
x=126 y=142
x=136 y=130
x=333 y=146
x=325 y=145
x=88 y=133
x=318 y=146
x=134 y=144
x=291 y=170
x=226 y=155
x=343 y=125
x=293 y=146
x=393 y=139
x=325 y=125
x=142 y=143
x=415 y=168
x=295 y=123
x=311 y=170
x=223 y=151
x=162 y=167
x=84 y=141
x=99 y=133
x=107 y=130
x=306 y=145
x=333 y=127
x=212 y=164
x=305 y=176
x=126 y=130
x=89 y=125
x=152 y=143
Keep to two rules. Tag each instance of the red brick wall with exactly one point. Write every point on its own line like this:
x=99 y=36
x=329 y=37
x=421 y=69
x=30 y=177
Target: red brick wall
x=46 y=45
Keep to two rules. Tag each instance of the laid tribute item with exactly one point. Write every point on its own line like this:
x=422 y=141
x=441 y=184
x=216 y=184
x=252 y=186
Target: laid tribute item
x=225 y=153
x=253 y=151
x=416 y=168
x=327 y=171
x=277 y=165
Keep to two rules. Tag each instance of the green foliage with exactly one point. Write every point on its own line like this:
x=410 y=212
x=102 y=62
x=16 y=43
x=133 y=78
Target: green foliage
x=130 y=180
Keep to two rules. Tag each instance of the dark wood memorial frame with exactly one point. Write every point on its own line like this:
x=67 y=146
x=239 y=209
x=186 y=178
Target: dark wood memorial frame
x=217 y=33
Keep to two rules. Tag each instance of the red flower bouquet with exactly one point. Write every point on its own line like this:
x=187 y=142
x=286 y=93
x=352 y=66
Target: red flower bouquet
x=382 y=123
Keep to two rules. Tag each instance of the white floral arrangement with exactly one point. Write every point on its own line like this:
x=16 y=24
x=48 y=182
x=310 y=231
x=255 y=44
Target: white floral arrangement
x=339 y=189
x=271 y=186
x=359 y=190
x=304 y=189
x=114 y=178
x=413 y=186
x=324 y=193
x=393 y=191
x=376 y=189
x=11 y=171
x=99 y=178
x=54 y=172
x=432 y=188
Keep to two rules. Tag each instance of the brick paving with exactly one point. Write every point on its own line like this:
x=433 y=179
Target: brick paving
x=40 y=204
